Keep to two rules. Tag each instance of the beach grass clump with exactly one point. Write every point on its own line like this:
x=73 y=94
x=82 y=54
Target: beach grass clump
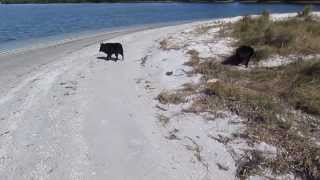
x=164 y=44
x=164 y=120
x=168 y=44
x=296 y=35
x=266 y=104
x=300 y=86
x=243 y=101
x=204 y=29
x=297 y=84
x=194 y=58
x=306 y=12
x=211 y=68
x=167 y=97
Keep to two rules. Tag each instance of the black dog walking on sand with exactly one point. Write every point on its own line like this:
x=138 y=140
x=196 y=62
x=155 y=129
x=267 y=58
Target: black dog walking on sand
x=111 y=48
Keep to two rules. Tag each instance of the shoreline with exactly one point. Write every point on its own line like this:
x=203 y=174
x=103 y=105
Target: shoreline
x=52 y=41
x=22 y=42
x=59 y=40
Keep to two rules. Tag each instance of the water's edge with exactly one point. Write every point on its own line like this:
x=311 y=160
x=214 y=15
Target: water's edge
x=33 y=25
x=47 y=42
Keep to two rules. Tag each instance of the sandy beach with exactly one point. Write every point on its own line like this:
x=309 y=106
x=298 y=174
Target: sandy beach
x=67 y=114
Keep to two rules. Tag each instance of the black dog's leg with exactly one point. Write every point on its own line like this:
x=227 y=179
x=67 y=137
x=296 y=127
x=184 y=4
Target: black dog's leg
x=117 y=56
x=246 y=62
x=247 y=59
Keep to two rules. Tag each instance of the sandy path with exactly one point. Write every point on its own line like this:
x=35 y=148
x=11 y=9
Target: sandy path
x=64 y=114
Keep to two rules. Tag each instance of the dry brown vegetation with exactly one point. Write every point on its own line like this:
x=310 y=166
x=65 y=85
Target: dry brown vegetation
x=164 y=44
x=194 y=60
x=167 y=44
x=164 y=120
x=268 y=98
x=167 y=97
x=203 y=29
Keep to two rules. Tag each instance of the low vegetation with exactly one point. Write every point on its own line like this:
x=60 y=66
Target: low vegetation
x=280 y=105
x=298 y=83
x=167 y=44
x=167 y=97
x=194 y=60
x=299 y=35
x=164 y=120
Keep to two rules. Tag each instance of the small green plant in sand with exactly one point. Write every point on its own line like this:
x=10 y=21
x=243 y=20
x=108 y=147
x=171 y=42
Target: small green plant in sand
x=194 y=58
x=306 y=12
x=164 y=44
x=168 y=44
x=164 y=120
x=166 y=97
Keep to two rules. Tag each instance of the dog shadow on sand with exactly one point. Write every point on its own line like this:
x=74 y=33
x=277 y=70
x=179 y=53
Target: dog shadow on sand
x=108 y=59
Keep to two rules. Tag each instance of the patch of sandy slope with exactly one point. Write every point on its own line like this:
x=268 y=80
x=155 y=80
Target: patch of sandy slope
x=195 y=134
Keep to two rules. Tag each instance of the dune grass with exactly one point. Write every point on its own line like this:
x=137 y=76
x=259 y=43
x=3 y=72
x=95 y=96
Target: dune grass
x=298 y=35
x=167 y=97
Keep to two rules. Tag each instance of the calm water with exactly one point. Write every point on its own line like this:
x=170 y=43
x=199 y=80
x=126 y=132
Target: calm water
x=23 y=23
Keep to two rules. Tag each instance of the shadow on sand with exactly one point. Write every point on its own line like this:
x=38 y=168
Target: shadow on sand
x=106 y=59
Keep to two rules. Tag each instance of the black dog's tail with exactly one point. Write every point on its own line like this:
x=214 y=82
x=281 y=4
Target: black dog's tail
x=121 y=51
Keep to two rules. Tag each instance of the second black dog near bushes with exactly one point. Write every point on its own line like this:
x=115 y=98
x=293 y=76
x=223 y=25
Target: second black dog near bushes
x=242 y=56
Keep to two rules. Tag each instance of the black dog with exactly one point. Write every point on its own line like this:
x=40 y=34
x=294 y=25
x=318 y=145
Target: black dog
x=242 y=56
x=111 y=48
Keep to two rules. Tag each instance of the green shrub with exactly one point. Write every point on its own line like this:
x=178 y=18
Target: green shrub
x=307 y=10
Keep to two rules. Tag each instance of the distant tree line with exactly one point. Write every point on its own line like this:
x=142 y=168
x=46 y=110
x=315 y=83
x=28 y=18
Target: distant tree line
x=101 y=1
x=288 y=1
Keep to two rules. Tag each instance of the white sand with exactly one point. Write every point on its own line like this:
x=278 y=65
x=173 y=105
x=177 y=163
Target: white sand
x=64 y=114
